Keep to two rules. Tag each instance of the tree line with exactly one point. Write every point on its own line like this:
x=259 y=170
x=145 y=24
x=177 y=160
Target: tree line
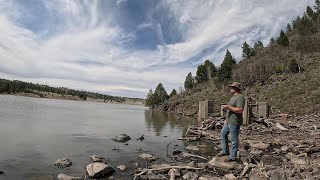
x=15 y=86
x=305 y=27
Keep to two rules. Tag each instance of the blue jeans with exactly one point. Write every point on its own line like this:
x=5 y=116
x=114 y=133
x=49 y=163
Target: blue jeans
x=234 y=131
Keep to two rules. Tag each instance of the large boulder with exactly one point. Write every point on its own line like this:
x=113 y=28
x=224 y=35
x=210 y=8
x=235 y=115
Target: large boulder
x=147 y=157
x=98 y=170
x=122 y=138
x=66 y=177
x=63 y=163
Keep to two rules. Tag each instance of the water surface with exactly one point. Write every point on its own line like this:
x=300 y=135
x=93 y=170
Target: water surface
x=36 y=132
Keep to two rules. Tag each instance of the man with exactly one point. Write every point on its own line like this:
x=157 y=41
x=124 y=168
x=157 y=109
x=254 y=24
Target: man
x=233 y=122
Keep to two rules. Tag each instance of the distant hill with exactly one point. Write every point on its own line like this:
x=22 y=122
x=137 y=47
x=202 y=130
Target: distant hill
x=285 y=73
x=16 y=87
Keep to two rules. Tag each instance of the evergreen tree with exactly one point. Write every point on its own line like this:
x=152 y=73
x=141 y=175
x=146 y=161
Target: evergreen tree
x=149 y=99
x=160 y=94
x=247 y=51
x=296 y=22
x=310 y=13
x=306 y=26
x=283 y=39
x=272 y=41
x=189 y=82
x=317 y=6
x=258 y=46
x=173 y=93
x=201 y=74
x=225 y=70
x=289 y=28
x=211 y=69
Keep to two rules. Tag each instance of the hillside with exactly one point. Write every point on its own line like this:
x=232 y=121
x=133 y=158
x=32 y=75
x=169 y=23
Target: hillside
x=268 y=76
x=21 y=88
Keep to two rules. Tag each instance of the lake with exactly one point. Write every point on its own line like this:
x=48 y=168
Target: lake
x=36 y=132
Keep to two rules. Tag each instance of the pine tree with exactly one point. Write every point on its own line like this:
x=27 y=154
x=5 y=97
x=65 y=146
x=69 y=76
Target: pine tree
x=225 y=70
x=283 y=39
x=149 y=99
x=247 y=51
x=310 y=13
x=189 y=82
x=173 y=93
x=317 y=6
x=306 y=26
x=272 y=41
x=160 y=94
x=211 y=69
x=258 y=46
x=201 y=74
x=289 y=28
x=296 y=23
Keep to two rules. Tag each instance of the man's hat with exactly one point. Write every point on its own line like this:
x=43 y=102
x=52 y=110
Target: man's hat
x=236 y=85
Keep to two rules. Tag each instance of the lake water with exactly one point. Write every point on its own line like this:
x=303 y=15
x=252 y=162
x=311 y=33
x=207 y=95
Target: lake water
x=36 y=132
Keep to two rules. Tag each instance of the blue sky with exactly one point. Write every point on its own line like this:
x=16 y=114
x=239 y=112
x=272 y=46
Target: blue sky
x=126 y=47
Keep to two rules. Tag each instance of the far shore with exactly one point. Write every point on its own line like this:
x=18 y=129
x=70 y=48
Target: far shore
x=48 y=95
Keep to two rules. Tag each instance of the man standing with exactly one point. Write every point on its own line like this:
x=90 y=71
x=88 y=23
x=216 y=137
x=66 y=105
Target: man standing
x=233 y=122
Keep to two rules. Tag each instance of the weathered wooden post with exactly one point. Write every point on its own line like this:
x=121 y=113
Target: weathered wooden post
x=263 y=109
x=203 y=111
x=245 y=113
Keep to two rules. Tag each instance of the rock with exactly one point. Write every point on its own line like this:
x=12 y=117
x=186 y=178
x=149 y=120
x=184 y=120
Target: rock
x=174 y=173
x=219 y=162
x=176 y=151
x=190 y=176
x=159 y=166
x=296 y=160
x=270 y=160
x=98 y=170
x=259 y=145
x=96 y=158
x=256 y=152
x=285 y=149
x=62 y=163
x=111 y=177
x=310 y=177
x=122 y=167
x=153 y=176
x=202 y=165
x=1 y=172
x=42 y=177
x=229 y=177
x=66 y=177
x=136 y=164
x=256 y=177
x=147 y=157
x=122 y=138
x=276 y=176
x=192 y=148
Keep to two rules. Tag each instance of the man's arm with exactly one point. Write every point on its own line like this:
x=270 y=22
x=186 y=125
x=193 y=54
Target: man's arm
x=236 y=110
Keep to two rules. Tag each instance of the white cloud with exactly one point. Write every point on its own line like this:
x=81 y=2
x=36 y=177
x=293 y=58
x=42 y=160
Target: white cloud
x=84 y=32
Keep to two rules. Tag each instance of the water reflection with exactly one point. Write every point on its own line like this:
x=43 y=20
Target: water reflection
x=158 y=121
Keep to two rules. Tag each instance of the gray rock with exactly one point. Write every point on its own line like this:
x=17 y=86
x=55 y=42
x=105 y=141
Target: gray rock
x=176 y=151
x=209 y=177
x=295 y=159
x=285 y=149
x=1 y=172
x=192 y=148
x=96 y=158
x=219 y=162
x=63 y=163
x=229 y=177
x=66 y=177
x=190 y=176
x=122 y=138
x=98 y=170
x=256 y=177
x=122 y=167
x=259 y=145
x=270 y=160
x=147 y=157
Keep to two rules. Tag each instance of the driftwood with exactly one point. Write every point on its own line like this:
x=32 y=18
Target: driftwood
x=187 y=155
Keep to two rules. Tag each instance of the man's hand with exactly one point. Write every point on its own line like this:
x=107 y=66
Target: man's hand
x=226 y=107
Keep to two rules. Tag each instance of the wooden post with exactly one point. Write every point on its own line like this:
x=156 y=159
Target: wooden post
x=203 y=110
x=263 y=109
x=245 y=113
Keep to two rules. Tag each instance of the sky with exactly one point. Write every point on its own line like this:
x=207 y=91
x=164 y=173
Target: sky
x=127 y=47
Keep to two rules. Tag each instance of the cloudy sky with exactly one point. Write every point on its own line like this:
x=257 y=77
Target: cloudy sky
x=126 y=47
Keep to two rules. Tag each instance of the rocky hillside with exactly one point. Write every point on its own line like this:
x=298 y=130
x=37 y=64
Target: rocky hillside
x=268 y=76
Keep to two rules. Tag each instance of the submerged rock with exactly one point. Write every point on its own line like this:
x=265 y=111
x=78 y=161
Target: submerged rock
x=147 y=157
x=122 y=138
x=122 y=167
x=96 y=158
x=98 y=170
x=1 y=172
x=66 y=177
x=63 y=163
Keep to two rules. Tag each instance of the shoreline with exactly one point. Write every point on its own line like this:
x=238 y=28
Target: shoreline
x=71 y=98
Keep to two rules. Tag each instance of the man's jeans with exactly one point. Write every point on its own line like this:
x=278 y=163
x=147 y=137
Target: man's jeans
x=234 y=131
